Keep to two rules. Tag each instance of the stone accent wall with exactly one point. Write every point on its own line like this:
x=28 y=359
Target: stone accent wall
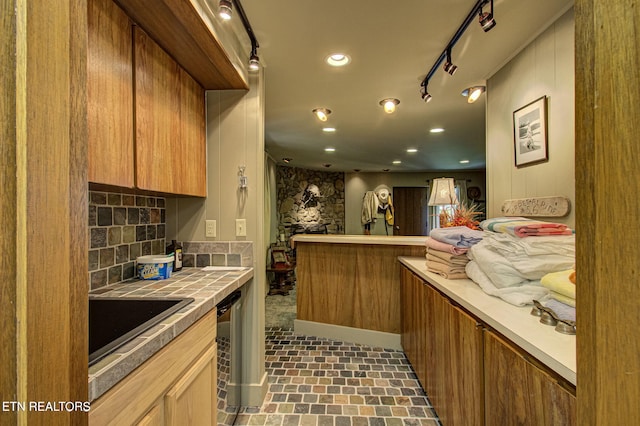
x=121 y=228
x=309 y=199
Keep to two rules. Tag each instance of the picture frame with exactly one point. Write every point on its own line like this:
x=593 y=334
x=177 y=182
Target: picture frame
x=530 y=139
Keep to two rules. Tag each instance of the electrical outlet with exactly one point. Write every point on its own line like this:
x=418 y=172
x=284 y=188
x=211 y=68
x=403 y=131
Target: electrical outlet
x=210 y=228
x=241 y=227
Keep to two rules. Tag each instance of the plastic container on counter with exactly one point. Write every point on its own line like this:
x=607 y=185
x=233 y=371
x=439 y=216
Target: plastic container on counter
x=154 y=267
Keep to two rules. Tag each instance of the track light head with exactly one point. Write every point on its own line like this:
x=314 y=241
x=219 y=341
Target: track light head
x=225 y=9
x=486 y=19
x=254 y=62
x=449 y=67
x=424 y=93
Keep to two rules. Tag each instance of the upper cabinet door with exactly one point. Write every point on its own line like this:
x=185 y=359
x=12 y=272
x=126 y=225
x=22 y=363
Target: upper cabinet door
x=170 y=130
x=109 y=95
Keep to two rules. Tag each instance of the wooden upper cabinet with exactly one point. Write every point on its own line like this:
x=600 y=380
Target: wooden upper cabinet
x=146 y=114
x=109 y=95
x=192 y=169
x=170 y=123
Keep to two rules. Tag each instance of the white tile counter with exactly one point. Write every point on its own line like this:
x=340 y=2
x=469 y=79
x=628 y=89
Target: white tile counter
x=556 y=350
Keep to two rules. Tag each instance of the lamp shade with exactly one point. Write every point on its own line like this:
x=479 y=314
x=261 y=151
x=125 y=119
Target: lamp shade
x=443 y=192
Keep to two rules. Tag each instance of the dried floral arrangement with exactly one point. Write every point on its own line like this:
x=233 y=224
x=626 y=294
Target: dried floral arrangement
x=461 y=216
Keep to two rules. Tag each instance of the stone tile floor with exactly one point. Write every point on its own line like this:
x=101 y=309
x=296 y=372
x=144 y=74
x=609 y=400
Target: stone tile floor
x=315 y=381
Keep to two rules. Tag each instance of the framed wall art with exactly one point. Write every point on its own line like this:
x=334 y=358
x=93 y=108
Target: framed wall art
x=530 y=133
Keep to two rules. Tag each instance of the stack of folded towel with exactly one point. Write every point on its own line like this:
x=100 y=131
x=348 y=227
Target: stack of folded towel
x=562 y=293
x=450 y=266
x=447 y=248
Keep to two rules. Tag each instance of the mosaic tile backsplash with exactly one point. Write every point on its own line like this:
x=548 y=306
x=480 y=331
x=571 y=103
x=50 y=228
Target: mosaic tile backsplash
x=124 y=226
x=121 y=228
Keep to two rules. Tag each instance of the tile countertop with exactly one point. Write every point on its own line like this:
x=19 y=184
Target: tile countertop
x=208 y=288
x=390 y=240
x=555 y=350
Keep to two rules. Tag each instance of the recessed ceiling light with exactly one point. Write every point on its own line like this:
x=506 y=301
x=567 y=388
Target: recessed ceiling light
x=322 y=113
x=329 y=149
x=412 y=150
x=389 y=104
x=328 y=129
x=337 y=59
x=397 y=162
x=437 y=130
x=464 y=161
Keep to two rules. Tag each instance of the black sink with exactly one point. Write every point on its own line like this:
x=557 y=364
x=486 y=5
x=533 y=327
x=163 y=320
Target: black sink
x=115 y=321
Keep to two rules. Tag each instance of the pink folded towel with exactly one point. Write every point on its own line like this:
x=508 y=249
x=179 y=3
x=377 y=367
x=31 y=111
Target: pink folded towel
x=523 y=227
x=438 y=245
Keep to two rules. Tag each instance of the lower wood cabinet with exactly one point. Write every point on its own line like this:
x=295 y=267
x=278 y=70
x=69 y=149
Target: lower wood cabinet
x=472 y=375
x=155 y=416
x=444 y=345
x=192 y=400
x=517 y=389
x=176 y=386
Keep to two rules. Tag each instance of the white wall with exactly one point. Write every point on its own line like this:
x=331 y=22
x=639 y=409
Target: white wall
x=235 y=137
x=544 y=68
x=356 y=184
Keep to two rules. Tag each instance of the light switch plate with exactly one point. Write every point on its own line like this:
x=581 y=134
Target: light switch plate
x=241 y=227
x=210 y=228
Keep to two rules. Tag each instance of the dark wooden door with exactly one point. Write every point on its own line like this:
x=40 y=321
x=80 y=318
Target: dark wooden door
x=410 y=211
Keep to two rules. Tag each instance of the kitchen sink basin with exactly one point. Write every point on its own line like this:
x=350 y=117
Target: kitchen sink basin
x=115 y=321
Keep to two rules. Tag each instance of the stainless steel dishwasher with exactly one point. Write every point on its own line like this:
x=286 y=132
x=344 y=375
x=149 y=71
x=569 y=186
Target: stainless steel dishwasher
x=229 y=358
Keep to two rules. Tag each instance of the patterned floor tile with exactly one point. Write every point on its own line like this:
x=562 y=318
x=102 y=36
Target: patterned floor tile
x=316 y=382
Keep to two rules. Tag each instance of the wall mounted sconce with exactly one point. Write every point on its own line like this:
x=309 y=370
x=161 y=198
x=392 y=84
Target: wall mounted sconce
x=225 y=9
x=486 y=19
x=389 y=104
x=242 y=179
x=322 y=113
x=287 y=160
x=473 y=93
x=449 y=67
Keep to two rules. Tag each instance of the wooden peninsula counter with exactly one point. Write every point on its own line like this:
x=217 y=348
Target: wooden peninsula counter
x=348 y=286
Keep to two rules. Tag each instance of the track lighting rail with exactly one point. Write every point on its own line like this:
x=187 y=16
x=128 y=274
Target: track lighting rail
x=247 y=27
x=458 y=34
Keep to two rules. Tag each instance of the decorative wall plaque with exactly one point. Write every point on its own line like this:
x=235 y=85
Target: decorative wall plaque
x=537 y=207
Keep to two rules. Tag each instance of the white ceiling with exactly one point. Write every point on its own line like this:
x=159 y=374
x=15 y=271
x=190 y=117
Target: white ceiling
x=393 y=44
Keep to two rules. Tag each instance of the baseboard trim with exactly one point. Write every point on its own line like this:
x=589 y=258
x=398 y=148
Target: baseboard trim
x=348 y=334
x=253 y=393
